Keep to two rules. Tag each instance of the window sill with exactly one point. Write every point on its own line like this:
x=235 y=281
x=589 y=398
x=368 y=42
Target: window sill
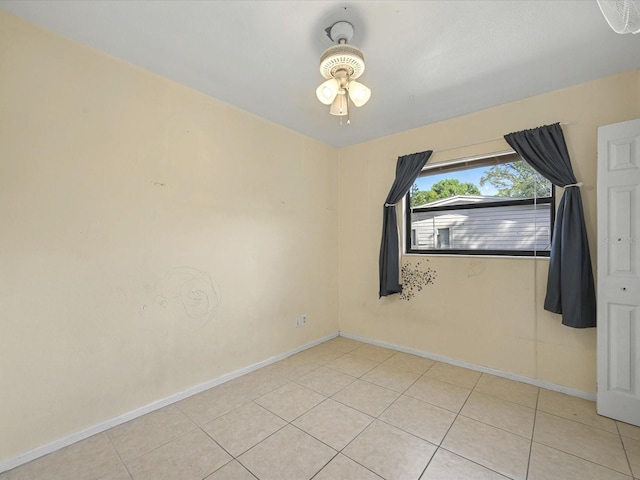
x=458 y=255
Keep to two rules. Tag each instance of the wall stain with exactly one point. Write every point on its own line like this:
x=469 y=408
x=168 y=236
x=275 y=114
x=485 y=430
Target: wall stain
x=414 y=279
x=475 y=268
x=187 y=294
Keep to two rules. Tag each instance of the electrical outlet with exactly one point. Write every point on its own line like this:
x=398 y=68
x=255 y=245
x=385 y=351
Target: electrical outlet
x=301 y=320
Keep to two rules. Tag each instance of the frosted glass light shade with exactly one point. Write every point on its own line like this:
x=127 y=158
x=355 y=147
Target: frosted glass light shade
x=327 y=91
x=339 y=105
x=358 y=93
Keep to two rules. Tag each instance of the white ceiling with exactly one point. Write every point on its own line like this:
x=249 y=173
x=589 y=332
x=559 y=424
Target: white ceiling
x=426 y=61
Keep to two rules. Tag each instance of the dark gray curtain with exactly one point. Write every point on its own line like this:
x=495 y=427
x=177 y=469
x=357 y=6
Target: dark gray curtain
x=407 y=170
x=570 y=286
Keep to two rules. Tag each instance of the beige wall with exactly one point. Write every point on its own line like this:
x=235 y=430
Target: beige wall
x=127 y=202
x=485 y=311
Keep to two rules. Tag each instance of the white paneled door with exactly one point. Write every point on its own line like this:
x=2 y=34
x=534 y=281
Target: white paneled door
x=619 y=271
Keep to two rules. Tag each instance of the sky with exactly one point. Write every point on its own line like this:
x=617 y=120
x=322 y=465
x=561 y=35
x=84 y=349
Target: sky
x=472 y=175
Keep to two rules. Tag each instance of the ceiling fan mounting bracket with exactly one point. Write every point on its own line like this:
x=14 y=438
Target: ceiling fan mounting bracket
x=340 y=31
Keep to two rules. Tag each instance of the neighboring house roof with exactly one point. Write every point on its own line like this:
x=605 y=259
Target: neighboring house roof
x=463 y=200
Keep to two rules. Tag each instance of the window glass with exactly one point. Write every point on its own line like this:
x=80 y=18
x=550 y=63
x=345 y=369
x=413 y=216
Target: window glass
x=495 y=205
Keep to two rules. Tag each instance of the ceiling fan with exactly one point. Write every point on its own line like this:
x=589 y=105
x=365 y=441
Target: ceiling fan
x=623 y=16
x=341 y=64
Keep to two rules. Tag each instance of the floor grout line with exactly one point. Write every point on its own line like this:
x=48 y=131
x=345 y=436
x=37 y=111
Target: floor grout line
x=439 y=446
x=535 y=415
x=579 y=422
x=118 y=453
x=626 y=454
x=474 y=462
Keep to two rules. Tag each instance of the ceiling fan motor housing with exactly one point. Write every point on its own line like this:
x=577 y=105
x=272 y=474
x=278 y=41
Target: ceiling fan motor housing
x=342 y=57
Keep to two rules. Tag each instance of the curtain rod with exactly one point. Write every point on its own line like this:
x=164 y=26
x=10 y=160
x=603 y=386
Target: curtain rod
x=483 y=141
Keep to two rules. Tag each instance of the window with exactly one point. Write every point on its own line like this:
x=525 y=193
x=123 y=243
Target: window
x=495 y=205
x=443 y=238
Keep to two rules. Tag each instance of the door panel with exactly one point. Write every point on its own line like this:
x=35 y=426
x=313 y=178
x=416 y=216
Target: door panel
x=619 y=271
x=623 y=202
x=622 y=348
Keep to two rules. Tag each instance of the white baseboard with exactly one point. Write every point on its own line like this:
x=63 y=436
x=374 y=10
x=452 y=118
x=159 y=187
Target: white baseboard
x=498 y=373
x=114 y=422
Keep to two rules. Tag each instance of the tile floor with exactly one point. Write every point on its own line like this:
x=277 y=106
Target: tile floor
x=345 y=410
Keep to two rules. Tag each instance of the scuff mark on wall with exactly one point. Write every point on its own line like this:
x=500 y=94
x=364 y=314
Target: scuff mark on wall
x=475 y=268
x=187 y=294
